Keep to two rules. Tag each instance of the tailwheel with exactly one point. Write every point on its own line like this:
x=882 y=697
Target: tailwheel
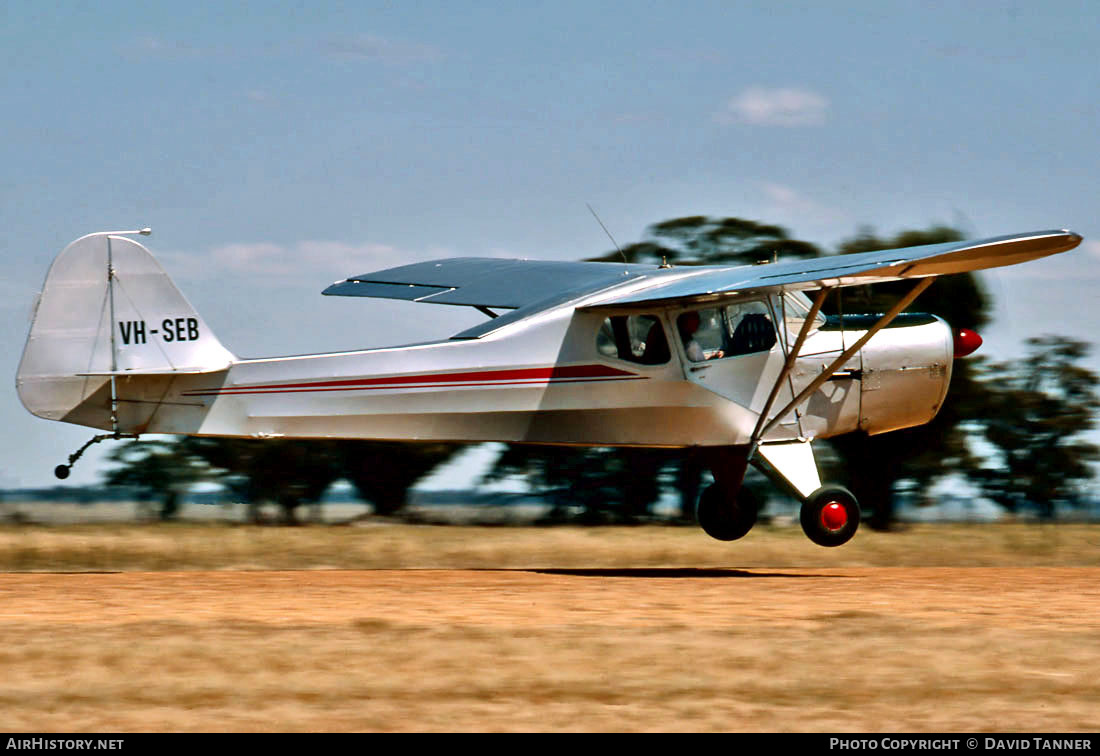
x=830 y=516
x=62 y=471
x=726 y=517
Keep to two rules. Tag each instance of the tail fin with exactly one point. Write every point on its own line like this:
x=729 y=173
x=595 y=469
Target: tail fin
x=108 y=309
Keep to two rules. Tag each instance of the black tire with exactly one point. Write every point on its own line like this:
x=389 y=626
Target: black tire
x=830 y=517
x=726 y=518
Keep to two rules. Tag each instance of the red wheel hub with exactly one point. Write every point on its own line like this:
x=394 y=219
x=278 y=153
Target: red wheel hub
x=834 y=516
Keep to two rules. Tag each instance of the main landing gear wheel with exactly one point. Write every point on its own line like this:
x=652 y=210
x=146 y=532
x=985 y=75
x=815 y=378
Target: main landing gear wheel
x=830 y=517
x=724 y=517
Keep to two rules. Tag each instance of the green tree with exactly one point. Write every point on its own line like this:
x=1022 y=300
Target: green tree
x=158 y=471
x=285 y=472
x=384 y=472
x=607 y=484
x=1035 y=411
x=293 y=472
x=702 y=240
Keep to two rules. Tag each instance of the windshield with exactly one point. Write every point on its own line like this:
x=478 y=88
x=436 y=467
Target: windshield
x=796 y=307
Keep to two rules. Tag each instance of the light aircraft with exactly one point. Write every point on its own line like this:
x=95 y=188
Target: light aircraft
x=737 y=360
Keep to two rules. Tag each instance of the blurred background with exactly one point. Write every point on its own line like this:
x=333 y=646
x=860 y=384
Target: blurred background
x=276 y=147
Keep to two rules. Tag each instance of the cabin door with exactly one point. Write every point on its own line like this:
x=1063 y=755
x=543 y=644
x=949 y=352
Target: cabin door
x=734 y=351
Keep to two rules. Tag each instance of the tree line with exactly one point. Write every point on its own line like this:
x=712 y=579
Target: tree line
x=1028 y=416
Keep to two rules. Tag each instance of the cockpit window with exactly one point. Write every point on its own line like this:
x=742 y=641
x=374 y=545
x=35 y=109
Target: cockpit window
x=635 y=338
x=731 y=331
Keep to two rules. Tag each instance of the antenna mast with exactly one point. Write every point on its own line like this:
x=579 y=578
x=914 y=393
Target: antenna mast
x=609 y=236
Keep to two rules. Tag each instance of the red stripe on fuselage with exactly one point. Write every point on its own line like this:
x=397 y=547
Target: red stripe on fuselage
x=522 y=376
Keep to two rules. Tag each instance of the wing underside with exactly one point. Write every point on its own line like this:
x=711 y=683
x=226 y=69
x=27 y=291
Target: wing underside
x=850 y=270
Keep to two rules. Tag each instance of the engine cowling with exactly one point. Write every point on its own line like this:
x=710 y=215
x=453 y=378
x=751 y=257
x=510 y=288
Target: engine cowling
x=906 y=373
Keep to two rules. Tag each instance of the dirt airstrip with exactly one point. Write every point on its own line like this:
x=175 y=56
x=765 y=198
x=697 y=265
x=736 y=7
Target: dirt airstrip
x=620 y=649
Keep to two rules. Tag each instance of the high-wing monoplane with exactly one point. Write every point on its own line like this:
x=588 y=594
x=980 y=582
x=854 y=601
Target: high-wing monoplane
x=738 y=361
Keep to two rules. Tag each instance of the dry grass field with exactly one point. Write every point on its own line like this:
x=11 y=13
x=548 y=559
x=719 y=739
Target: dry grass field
x=413 y=628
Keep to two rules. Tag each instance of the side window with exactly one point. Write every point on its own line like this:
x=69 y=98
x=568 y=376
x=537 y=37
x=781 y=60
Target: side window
x=635 y=338
x=750 y=328
x=717 y=332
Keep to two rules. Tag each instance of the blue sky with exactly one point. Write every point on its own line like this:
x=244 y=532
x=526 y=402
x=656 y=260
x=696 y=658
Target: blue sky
x=276 y=147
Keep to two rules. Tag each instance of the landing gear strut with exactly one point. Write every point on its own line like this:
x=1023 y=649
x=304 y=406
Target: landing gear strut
x=727 y=510
x=62 y=471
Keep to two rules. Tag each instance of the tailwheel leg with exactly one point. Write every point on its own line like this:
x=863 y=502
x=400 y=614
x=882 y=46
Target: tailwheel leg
x=830 y=516
x=62 y=471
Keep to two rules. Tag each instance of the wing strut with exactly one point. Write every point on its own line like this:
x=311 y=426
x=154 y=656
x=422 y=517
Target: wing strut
x=788 y=366
x=835 y=365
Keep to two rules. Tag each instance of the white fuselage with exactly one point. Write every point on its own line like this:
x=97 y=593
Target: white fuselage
x=542 y=380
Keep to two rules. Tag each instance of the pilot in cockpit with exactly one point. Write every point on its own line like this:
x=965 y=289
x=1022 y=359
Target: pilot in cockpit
x=688 y=324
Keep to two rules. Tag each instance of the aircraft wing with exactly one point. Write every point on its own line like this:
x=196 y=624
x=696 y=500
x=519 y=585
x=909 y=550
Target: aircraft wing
x=849 y=270
x=488 y=281
x=529 y=286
